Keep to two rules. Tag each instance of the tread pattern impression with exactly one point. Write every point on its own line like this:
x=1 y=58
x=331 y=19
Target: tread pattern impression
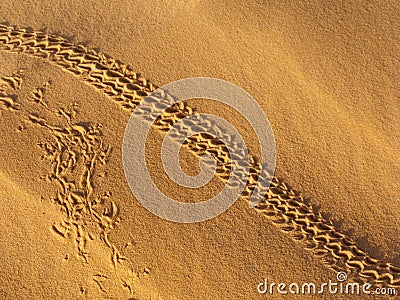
x=285 y=207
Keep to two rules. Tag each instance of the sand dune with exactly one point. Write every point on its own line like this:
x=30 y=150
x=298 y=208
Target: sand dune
x=119 y=249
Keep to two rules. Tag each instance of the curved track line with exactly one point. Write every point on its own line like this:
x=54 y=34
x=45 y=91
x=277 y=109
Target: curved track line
x=285 y=207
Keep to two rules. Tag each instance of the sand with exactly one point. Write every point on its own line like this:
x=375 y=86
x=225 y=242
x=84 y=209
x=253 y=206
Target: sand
x=326 y=76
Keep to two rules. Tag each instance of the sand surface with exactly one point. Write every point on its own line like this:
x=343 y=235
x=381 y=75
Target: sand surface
x=326 y=76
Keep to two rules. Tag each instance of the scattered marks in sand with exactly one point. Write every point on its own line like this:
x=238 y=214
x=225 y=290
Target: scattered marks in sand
x=21 y=128
x=100 y=279
x=60 y=232
x=76 y=153
x=285 y=207
x=38 y=95
x=82 y=290
x=8 y=86
x=15 y=80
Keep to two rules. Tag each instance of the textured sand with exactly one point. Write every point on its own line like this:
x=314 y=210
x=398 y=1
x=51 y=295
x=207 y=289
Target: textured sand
x=327 y=78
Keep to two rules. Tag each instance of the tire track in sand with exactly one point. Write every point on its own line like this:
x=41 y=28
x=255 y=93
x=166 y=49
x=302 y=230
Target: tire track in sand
x=284 y=206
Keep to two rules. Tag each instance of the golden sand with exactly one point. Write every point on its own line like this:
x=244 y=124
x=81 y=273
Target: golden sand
x=325 y=75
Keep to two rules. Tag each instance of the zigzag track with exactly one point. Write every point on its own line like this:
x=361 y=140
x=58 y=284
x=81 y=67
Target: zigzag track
x=285 y=207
